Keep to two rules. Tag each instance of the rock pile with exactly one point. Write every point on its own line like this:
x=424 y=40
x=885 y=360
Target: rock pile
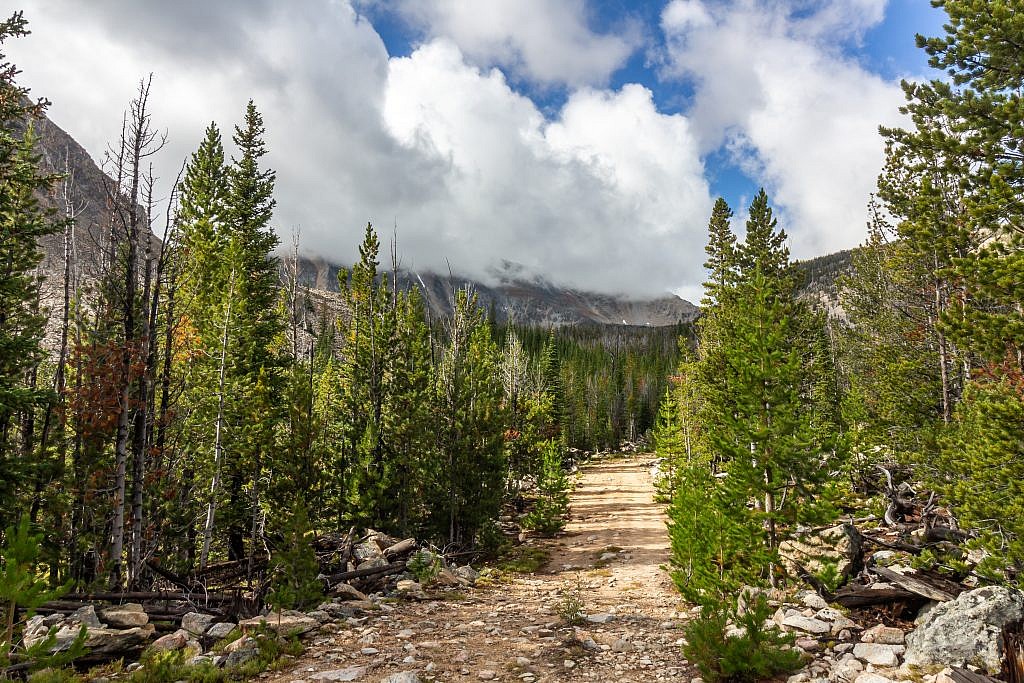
x=965 y=632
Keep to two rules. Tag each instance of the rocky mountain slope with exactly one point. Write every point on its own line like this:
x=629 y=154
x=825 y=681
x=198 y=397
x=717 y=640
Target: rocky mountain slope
x=528 y=301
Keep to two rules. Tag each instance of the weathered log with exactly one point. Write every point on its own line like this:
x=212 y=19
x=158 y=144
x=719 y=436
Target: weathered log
x=400 y=548
x=863 y=596
x=393 y=568
x=919 y=584
x=152 y=596
x=961 y=675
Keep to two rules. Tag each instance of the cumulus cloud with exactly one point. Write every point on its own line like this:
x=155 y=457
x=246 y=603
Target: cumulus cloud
x=775 y=89
x=608 y=194
x=548 y=42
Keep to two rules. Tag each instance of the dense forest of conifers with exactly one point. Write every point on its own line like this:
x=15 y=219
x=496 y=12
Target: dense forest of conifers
x=781 y=418
x=185 y=417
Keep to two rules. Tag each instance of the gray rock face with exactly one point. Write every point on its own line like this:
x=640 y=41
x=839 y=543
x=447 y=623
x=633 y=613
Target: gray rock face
x=402 y=677
x=966 y=630
x=220 y=631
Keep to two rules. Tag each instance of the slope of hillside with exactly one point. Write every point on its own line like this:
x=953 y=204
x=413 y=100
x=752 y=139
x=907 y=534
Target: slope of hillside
x=535 y=302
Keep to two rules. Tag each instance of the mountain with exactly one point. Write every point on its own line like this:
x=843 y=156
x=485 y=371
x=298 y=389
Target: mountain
x=821 y=280
x=528 y=301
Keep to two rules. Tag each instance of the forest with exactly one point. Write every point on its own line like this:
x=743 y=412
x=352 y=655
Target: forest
x=201 y=407
x=192 y=413
x=783 y=420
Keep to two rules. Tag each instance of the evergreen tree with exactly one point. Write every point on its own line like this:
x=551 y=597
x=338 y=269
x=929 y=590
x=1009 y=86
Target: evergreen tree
x=469 y=481
x=22 y=223
x=722 y=253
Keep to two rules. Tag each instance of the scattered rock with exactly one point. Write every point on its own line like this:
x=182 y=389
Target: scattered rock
x=966 y=630
x=871 y=677
x=885 y=635
x=196 y=623
x=128 y=615
x=221 y=630
x=879 y=655
x=486 y=675
x=806 y=624
x=401 y=677
x=283 y=623
x=351 y=673
x=171 y=641
x=601 y=618
x=847 y=670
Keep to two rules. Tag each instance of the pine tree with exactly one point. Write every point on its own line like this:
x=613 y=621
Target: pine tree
x=22 y=223
x=468 y=482
x=721 y=251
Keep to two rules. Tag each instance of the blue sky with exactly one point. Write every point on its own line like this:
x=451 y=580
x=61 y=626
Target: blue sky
x=583 y=140
x=888 y=49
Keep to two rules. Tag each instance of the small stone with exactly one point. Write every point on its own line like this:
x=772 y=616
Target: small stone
x=171 y=641
x=808 y=644
x=486 y=675
x=811 y=599
x=128 y=615
x=847 y=670
x=405 y=633
x=569 y=664
x=885 y=635
x=401 y=677
x=369 y=651
x=351 y=673
x=806 y=624
x=871 y=677
x=602 y=618
x=523 y=661
x=220 y=630
x=877 y=654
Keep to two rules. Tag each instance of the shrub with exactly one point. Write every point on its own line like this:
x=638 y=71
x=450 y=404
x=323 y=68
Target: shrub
x=757 y=654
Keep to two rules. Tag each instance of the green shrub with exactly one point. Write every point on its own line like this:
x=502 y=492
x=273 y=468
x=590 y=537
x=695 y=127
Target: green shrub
x=294 y=582
x=755 y=655
x=548 y=514
x=570 y=604
x=424 y=565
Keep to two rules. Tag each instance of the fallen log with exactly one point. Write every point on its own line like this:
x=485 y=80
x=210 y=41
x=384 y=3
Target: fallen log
x=151 y=596
x=393 y=568
x=400 y=548
x=961 y=675
x=919 y=584
x=863 y=596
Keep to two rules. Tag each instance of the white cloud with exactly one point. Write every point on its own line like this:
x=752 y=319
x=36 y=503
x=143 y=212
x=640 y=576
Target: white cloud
x=548 y=42
x=609 y=195
x=606 y=194
x=773 y=86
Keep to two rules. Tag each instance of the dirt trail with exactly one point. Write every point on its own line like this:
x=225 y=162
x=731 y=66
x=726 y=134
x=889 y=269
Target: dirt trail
x=513 y=632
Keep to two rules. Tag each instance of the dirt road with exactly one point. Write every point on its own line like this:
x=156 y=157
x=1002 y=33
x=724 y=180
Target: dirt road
x=611 y=555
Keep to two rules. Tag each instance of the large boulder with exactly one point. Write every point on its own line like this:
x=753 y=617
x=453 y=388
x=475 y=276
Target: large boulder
x=99 y=639
x=967 y=630
x=837 y=546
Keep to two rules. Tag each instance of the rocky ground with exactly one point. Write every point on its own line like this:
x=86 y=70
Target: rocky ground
x=610 y=556
x=606 y=573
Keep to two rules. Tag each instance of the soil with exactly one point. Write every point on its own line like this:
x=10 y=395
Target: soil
x=514 y=630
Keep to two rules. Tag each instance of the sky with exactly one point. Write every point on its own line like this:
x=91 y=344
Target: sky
x=583 y=141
